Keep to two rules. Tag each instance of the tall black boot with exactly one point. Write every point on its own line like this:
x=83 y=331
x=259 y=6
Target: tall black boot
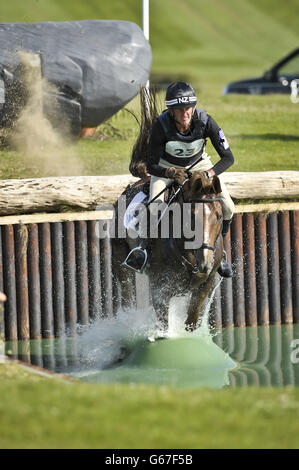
x=225 y=269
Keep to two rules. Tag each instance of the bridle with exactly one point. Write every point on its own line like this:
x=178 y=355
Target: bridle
x=204 y=246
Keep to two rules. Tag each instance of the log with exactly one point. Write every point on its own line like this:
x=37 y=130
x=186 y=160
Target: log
x=263 y=185
x=102 y=214
x=28 y=196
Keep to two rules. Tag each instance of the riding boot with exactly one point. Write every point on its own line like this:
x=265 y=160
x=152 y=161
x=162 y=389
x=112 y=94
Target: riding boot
x=225 y=269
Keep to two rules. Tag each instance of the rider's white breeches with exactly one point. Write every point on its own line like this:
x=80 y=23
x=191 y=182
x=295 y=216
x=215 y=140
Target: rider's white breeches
x=157 y=184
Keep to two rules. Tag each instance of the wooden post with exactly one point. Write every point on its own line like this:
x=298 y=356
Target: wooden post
x=226 y=290
x=285 y=267
x=70 y=278
x=261 y=269
x=295 y=263
x=21 y=242
x=46 y=281
x=106 y=271
x=58 y=279
x=238 y=269
x=34 y=282
x=11 y=328
x=95 y=309
x=273 y=268
x=82 y=271
x=249 y=270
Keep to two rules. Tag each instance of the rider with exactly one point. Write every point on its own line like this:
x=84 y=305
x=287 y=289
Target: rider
x=178 y=140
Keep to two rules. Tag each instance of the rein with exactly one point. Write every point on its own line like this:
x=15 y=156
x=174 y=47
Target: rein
x=205 y=246
x=199 y=199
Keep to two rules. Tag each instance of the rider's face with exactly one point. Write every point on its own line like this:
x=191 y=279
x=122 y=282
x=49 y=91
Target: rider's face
x=183 y=116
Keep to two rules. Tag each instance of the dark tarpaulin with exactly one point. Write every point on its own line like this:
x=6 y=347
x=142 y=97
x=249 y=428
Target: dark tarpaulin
x=97 y=67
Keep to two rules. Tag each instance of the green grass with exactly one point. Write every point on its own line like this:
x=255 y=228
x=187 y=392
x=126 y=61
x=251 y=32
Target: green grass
x=262 y=131
x=208 y=43
x=37 y=412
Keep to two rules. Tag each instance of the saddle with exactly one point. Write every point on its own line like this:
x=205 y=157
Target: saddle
x=135 y=195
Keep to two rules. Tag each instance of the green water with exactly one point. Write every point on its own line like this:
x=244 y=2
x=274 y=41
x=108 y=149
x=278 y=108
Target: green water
x=235 y=357
x=266 y=355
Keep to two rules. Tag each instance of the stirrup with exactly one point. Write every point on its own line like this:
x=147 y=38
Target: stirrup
x=225 y=269
x=136 y=259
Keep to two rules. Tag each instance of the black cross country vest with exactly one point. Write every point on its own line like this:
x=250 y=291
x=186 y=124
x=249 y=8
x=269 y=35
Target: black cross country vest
x=184 y=150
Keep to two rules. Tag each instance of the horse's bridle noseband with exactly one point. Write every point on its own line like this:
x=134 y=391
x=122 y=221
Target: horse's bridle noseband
x=204 y=246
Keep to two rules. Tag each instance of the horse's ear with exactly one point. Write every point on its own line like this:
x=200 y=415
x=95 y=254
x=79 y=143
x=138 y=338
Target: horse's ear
x=216 y=185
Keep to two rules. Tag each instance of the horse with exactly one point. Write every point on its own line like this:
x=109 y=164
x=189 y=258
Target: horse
x=174 y=268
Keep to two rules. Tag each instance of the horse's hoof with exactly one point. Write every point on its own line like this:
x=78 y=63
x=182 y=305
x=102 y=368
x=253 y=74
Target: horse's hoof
x=225 y=269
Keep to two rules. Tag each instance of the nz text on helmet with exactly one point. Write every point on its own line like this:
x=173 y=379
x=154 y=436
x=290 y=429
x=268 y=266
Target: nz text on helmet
x=191 y=100
x=180 y=94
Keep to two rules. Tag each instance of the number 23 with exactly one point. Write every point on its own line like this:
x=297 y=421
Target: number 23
x=180 y=152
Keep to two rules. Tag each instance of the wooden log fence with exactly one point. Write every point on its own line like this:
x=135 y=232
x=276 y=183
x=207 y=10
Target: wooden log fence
x=29 y=196
x=58 y=275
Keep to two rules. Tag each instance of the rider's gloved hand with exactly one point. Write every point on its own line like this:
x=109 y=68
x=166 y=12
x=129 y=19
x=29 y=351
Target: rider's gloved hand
x=179 y=175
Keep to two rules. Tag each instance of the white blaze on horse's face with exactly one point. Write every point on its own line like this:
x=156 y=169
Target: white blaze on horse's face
x=211 y=231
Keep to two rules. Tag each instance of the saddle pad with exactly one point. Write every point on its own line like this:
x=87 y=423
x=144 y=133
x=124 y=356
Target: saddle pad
x=130 y=219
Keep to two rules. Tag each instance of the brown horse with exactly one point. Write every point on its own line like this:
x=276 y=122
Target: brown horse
x=175 y=268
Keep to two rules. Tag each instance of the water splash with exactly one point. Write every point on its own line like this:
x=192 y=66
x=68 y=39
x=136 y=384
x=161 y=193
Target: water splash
x=177 y=317
x=110 y=340
x=184 y=360
x=104 y=342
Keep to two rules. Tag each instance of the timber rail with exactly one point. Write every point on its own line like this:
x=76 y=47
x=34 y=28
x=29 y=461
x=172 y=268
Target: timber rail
x=57 y=273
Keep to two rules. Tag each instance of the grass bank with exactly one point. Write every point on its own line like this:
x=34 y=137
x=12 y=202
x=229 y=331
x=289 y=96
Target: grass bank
x=39 y=412
x=208 y=43
x=262 y=131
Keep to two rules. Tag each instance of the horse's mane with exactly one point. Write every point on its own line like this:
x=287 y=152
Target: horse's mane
x=200 y=184
x=148 y=115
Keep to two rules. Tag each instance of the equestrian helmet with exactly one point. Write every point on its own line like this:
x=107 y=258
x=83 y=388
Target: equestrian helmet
x=180 y=95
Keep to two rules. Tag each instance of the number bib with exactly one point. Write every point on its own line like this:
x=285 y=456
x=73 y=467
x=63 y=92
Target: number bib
x=180 y=149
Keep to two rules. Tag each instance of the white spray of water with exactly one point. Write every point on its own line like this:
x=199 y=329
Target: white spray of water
x=177 y=317
x=104 y=343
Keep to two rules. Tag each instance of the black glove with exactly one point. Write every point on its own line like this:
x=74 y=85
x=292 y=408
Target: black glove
x=179 y=175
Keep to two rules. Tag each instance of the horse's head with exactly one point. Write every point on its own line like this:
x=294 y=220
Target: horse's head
x=206 y=211
x=200 y=184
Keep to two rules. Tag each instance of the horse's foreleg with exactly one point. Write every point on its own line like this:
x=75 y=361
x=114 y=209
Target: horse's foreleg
x=197 y=299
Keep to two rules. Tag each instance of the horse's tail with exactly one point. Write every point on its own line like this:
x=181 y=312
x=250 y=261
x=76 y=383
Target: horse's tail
x=149 y=113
